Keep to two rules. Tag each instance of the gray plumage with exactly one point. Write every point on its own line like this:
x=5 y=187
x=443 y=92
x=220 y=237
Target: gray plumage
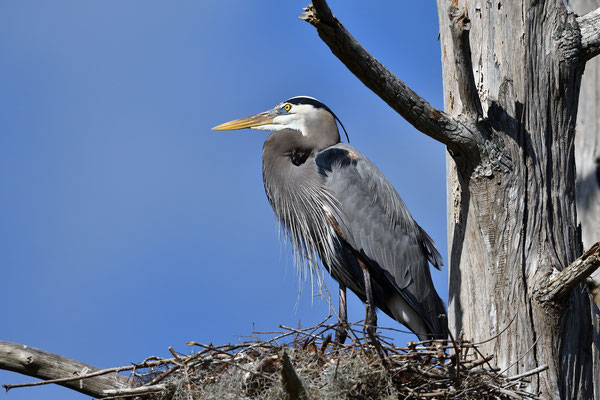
x=376 y=224
x=334 y=203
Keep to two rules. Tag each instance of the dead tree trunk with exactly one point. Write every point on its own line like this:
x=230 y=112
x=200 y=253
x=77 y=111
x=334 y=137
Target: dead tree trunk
x=512 y=75
x=587 y=144
x=511 y=230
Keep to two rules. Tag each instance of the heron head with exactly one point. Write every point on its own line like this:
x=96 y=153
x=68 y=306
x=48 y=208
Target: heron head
x=302 y=113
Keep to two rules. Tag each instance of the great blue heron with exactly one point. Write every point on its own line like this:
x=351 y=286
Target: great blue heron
x=332 y=201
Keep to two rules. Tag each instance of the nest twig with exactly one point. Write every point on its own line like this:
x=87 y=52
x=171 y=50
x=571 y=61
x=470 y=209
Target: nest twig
x=303 y=363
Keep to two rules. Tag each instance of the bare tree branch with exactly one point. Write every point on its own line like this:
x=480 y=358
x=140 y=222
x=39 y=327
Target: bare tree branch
x=49 y=366
x=589 y=24
x=417 y=111
x=460 y=27
x=558 y=286
x=528 y=373
x=467 y=139
x=134 y=391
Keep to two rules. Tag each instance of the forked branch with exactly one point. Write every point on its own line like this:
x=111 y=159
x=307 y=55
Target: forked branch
x=558 y=286
x=589 y=25
x=416 y=110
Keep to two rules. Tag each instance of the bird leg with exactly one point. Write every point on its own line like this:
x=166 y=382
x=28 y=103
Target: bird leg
x=371 y=315
x=341 y=331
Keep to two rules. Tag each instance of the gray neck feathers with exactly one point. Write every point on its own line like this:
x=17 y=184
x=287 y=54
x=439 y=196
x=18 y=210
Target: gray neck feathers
x=300 y=201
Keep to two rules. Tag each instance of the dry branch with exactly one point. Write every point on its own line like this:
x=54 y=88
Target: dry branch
x=134 y=391
x=528 y=373
x=559 y=285
x=416 y=110
x=61 y=370
x=589 y=25
x=468 y=141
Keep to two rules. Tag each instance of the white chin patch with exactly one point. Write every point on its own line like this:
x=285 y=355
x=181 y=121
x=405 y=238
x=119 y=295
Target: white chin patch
x=291 y=121
x=267 y=127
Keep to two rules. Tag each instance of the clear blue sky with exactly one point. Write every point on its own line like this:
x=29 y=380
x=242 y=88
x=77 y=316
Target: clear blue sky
x=126 y=225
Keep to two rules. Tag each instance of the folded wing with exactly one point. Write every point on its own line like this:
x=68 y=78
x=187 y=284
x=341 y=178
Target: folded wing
x=374 y=224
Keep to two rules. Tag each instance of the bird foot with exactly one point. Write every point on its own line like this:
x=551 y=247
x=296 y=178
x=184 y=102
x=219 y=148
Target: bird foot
x=370 y=327
x=371 y=332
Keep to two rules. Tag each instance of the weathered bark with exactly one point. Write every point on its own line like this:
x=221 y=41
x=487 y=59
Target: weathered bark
x=587 y=144
x=508 y=233
x=512 y=213
x=589 y=25
x=44 y=365
x=560 y=285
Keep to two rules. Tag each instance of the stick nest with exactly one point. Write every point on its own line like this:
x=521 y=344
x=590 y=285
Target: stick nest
x=305 y=364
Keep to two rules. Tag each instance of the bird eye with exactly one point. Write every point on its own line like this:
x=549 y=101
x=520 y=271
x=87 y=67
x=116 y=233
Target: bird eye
x=287 y=107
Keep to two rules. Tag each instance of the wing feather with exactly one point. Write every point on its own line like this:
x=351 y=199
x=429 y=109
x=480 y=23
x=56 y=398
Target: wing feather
x=376 y=223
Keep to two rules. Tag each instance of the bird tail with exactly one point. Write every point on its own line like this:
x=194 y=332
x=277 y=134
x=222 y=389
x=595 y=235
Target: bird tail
x=427 y=325
x=434 y=257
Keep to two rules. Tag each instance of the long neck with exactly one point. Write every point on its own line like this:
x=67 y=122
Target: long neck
x=287 y=172
x=296 y=192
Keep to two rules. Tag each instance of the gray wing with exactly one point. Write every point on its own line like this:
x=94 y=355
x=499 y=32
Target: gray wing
x=376 y=223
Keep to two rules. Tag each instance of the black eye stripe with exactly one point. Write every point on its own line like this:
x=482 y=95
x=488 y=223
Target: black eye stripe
x=307 y=100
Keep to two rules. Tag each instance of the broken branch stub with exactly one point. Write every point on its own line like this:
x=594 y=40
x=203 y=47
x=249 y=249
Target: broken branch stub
x=559 y=285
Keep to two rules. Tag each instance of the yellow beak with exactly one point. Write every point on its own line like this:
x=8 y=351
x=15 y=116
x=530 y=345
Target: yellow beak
x=263 y=118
